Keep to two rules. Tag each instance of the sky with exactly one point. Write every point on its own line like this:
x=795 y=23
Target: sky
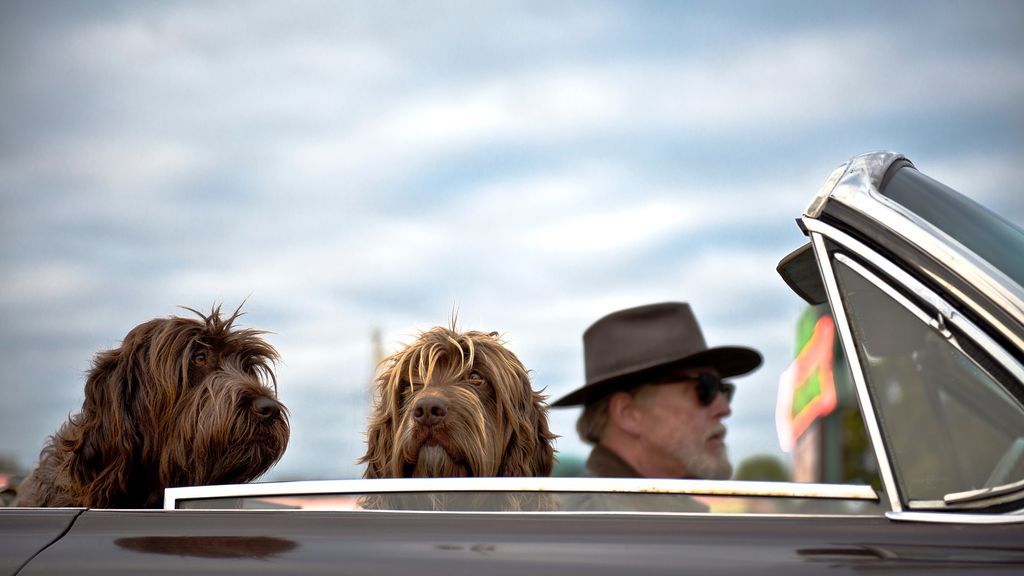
x=349 y=168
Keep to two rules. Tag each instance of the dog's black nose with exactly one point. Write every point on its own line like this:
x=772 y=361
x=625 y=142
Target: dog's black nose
x=430 y=411
x=266 y=407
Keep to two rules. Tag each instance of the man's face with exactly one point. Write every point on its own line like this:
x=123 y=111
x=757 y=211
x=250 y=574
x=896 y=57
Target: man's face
x=689 y=437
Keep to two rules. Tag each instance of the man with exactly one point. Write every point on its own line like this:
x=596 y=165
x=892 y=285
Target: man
x=654 y=400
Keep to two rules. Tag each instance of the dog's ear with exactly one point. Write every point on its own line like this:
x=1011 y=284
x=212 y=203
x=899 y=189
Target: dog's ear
x=544 y=455
x=381 y=431
x=528 y=449
x=379 y=446
x=103 y=440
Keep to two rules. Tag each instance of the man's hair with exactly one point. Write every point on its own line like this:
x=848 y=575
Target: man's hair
x=594 y=418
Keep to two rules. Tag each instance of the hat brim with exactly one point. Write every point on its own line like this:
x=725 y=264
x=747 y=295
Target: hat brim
x=728 y=360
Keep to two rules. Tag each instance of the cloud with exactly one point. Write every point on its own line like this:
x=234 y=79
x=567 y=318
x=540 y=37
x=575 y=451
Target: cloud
x=349 y=168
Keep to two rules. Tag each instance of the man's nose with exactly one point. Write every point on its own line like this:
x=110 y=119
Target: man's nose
x=721 y=406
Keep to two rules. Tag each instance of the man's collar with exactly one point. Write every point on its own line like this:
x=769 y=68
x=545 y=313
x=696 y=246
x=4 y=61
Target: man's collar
x=605 y=463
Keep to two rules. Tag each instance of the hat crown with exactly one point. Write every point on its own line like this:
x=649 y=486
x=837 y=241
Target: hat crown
x=638 y=338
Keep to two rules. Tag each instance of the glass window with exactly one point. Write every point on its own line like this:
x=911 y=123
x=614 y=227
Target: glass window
x=543 y=502
x=949 y=425
x=976 y=227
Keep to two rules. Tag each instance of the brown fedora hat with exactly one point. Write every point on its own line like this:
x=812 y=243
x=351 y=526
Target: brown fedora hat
x=647 y=344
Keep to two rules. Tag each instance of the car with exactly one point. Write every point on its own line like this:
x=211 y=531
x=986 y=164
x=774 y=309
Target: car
x=926 y=291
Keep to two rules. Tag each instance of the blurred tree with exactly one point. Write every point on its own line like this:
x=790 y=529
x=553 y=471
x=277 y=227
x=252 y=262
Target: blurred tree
x=859 y=464
x=10 y=465
x=762 y=468
x=569 y=465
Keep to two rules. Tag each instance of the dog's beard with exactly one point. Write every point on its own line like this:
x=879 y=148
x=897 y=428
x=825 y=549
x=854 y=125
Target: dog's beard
x=434 y=461
x=461 y=446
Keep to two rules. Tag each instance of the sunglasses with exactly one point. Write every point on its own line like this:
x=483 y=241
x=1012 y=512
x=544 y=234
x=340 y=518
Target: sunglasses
x=710 y=386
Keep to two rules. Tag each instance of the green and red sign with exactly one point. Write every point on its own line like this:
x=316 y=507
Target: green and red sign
x=807 y=389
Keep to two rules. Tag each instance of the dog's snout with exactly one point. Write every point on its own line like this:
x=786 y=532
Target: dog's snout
x=266 y=407
x=430 y=411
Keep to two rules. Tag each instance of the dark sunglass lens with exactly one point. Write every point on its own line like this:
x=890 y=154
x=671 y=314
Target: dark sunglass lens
x=707 y=388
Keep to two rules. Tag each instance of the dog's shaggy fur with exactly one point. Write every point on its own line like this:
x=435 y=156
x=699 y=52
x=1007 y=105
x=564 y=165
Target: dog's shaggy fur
x=457 y=404
x=181 y=402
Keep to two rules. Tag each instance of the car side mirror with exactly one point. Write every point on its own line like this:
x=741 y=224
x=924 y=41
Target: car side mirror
x=800 y=271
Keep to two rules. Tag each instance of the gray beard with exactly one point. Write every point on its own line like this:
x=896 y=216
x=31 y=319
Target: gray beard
x=710 y=467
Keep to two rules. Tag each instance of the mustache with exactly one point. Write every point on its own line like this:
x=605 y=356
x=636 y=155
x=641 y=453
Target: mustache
x=719 y=431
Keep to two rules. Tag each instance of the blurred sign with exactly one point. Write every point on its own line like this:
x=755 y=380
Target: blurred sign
x=807 y=389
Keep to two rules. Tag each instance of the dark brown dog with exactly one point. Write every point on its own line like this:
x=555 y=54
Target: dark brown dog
x=456 y=404
x=182 y=402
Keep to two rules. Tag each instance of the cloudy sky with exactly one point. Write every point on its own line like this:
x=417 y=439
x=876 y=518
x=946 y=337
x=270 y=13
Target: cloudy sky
x=351 y=167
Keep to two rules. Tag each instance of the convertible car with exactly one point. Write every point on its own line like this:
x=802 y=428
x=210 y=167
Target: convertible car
x=926 y=289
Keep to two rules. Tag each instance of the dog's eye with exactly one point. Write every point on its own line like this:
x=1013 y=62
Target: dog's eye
x=199 y=359
x=405 y=389
x=475 y=378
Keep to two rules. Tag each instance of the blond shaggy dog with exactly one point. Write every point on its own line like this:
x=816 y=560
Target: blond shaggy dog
x=457 y=404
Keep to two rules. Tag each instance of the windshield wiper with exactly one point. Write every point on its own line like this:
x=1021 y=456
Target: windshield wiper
x=1003 y=491
x=983 y=497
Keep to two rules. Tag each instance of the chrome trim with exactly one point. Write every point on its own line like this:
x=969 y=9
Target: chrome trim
x=948 y=518
x=860 y=173
x=818 y=202
x=625 y=485
x=947 y=312
x=856 y=370
x=858 y=189
x=864 y=174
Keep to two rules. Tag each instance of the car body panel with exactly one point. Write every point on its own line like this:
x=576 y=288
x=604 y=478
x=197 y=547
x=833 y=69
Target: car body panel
x=26 y=531
x=285 y=542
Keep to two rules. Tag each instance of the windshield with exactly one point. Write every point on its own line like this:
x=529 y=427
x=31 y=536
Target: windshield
x=951 y=427
x=983 y=232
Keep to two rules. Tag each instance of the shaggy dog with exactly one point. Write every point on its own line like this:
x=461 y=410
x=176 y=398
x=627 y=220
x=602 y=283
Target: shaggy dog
x=181 y=402
x=456 y=404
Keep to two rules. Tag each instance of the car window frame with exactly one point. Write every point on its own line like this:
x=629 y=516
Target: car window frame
x=826 y=240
